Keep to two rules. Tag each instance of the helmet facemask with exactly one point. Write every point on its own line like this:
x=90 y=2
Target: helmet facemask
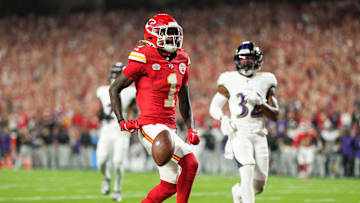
x=246 y=65
x=169 y=37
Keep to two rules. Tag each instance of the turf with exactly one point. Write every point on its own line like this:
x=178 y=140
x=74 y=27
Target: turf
x=70 y=186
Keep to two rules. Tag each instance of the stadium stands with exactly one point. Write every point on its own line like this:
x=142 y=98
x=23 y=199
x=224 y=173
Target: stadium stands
x=52 y=65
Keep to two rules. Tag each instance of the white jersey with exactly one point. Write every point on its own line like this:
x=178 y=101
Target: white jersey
x=127 y=95
x=245 y=115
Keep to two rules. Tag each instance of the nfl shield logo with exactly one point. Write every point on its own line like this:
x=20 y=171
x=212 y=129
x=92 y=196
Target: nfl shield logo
x=182 y=68
x=156 y=66
x=171 y=65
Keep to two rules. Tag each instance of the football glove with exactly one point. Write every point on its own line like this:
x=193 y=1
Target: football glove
x=226 y=127
x=193 y=137
x=130 y=125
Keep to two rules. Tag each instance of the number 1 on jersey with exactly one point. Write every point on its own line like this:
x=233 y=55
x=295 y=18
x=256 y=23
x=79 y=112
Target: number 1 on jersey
x=172 y=80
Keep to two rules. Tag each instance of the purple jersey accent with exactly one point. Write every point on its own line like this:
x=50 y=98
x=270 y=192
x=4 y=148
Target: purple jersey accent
x=357 y=146
x=239 y=165
x=5 y=141
x=347 y=147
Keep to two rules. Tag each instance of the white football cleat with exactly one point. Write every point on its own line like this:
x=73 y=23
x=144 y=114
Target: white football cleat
x=116 y=196
x=105 y=186
x=235 y=194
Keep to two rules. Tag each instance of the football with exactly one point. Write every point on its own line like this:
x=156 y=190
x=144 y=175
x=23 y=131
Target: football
x=163 y=148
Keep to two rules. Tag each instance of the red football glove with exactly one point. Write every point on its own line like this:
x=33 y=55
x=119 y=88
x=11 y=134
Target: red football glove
x=130 y=125
x=193 y=137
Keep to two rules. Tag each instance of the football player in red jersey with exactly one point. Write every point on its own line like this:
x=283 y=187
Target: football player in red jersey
x=160 y=69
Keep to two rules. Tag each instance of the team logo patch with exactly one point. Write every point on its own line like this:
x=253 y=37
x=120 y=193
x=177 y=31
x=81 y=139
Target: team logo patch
x=156 y=66
x=182 y=68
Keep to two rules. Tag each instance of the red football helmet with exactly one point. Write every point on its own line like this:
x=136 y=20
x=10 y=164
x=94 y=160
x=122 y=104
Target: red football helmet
x=162 y=31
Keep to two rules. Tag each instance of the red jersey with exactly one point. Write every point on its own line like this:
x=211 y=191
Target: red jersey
x=304 y=139
x=158 y=82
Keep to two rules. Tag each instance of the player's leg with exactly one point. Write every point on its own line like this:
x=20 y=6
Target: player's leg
x=302 y=162
x=310 y=160
x=244 y=155
x=103 y=153
x=262 y=163
x=168 y=172
x=189 y=166
x=121 y=147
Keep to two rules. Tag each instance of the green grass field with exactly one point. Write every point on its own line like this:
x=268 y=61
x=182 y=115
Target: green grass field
x=84 y=186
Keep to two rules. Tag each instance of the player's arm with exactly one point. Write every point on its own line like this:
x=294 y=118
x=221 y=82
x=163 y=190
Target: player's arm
x=185 y=107
x=120 y=83
x=271 y=107
x=186 y=113
x=216 y=105
x=101 y=114
x=218 y=101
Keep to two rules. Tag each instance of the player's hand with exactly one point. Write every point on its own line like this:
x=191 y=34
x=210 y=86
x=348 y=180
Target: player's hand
x=130 y=125
x=226 y=126
x=193 y=137
x=253 y=97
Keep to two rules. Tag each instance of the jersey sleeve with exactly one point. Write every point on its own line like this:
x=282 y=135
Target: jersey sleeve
x=136 y=62
x=272 y=80
x=221 y=79
x=185 y=79
x=98 y=92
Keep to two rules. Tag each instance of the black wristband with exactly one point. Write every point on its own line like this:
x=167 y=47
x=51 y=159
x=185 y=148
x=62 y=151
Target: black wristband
x=119 y=121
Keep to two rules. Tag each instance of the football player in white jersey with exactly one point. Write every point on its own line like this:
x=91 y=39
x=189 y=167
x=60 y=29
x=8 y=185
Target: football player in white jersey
x=113 y=143
x=251 y=97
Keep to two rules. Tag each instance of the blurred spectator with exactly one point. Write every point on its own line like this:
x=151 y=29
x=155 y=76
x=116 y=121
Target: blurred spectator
x=51 y=65
x=348 y=151
x=357 y=155
x=85 y=149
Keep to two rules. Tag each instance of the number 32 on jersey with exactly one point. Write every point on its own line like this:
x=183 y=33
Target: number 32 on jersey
x=256 y=112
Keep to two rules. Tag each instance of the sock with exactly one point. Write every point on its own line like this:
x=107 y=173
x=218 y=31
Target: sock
x=247 y=183
x=119 y=171
x=160 y=192
x=189 y=166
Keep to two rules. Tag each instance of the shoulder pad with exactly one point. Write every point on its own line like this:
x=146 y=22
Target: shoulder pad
x=100 y=90
x=138 y=54
x=223 y=78
x=269 y=78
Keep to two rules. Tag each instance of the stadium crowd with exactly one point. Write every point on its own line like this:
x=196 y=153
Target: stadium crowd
x=52 y=65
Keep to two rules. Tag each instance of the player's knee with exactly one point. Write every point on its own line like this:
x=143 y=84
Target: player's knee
x=118 y=164
x=189 y=162
x=101 y=159
x=163 y=148
x=168 y=188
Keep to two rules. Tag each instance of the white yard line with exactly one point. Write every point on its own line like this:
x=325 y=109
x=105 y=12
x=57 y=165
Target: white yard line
x=320 y=200
x=132 y=195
